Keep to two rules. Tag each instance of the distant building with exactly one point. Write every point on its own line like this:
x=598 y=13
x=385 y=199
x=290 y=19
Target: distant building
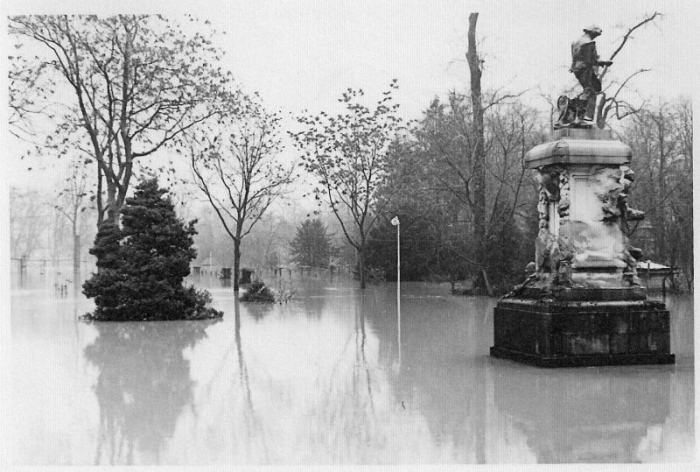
x=652 y=274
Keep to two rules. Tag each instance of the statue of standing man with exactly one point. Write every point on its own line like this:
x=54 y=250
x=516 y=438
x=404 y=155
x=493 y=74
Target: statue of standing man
x=584 y=64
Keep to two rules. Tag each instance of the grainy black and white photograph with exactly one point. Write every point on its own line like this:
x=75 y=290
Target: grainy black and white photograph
x=348 y=233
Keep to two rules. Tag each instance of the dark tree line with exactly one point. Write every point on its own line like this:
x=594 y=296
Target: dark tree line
x=431 y=188
x=661 y=137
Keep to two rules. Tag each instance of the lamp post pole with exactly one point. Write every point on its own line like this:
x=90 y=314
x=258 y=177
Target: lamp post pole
x=395 y=221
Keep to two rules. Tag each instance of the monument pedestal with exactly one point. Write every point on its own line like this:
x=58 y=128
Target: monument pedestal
x=551 y=333
x=583 y=305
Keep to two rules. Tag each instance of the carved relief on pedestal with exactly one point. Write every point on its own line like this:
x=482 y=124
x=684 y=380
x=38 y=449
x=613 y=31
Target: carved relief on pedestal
x=545 y=245
x=583 y=214
x=553 y=250
x=631 y=253
x=564 y=195
x=564 y=253
x=594 y=228
x=583 y=217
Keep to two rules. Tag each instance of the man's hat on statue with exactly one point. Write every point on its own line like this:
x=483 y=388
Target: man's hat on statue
x=593 y=29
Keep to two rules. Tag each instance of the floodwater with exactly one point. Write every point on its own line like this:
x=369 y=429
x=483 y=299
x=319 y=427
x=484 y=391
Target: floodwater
x=328 y=378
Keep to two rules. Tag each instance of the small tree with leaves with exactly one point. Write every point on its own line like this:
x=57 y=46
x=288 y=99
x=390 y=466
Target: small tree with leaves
x=348 y=154
x=312 y=245
x=141 y=265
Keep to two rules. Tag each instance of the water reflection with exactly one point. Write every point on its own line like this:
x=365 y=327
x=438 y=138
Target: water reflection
x=363 y=402
x=256 y=310
x=442 y=369
x=321 y=380
x=487 y=410
x=583 y=415
x=251 y=420
x=143 y=386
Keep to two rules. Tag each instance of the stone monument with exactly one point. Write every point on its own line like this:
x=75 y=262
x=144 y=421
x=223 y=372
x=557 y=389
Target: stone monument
x=582 y=303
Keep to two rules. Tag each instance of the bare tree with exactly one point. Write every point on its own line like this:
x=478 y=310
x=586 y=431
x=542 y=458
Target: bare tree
x=28 y=216
x=478 y=174
x=476 y=186
x=133 y=84
x=661 y=140
x=237 y=168
x=682 y=207
x=446 y=142
x=613 y=103
x=72 y=204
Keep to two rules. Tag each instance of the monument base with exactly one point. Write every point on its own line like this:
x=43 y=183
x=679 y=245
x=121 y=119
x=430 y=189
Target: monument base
x=564 y=333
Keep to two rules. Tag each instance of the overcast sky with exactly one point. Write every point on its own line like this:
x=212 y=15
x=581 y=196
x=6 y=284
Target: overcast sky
x=302 y=54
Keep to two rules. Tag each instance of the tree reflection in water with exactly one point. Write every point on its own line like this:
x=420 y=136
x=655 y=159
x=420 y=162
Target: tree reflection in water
x=342 y=425
x=255 y=309
x=143 y=386
x=254 y=427
x=442 y=372
x=317 y=381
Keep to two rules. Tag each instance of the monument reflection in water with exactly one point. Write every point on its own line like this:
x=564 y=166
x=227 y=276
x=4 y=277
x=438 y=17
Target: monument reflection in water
x=496 y=411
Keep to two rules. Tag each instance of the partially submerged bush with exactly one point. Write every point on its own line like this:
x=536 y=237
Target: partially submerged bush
x=373 y=275
x=258 y=292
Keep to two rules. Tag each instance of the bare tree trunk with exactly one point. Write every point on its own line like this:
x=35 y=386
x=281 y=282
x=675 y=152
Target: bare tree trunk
x=662 y=176
x=98 y=198
x=236 y=263
x=76 y=254
x=479 y=154
x=361 y=263
x=112 y=207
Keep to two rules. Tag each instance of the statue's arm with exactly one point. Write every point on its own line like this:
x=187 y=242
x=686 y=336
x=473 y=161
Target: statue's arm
x=596 y=58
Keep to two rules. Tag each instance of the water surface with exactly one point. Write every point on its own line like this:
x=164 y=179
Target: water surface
x=329 y=378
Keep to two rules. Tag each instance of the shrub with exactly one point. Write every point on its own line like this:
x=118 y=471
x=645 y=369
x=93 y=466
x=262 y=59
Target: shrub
x=258 y=292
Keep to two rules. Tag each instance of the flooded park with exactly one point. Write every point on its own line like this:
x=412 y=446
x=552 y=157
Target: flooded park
x=347 y=234
x=335 y=376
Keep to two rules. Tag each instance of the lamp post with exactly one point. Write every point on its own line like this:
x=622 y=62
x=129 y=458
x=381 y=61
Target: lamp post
x=395 y=221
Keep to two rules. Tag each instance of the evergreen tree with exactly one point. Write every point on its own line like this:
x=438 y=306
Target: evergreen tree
x=104 y=286
x=311 y=245
x=142 y=265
